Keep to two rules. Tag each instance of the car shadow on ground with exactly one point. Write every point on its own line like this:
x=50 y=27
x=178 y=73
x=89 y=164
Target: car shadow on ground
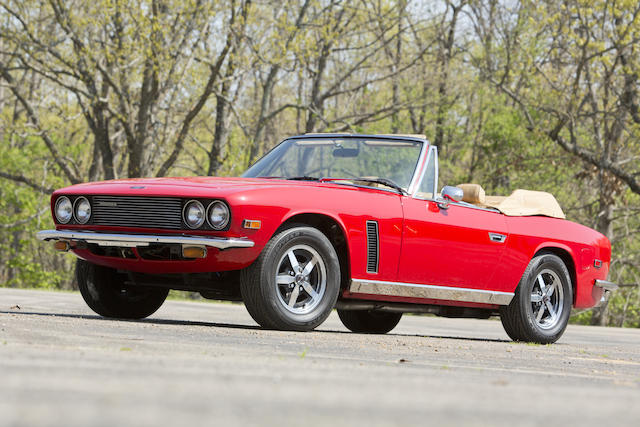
x=160 y=321
x=151 y=321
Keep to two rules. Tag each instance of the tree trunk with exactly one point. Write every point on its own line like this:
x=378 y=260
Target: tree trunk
x=445 y=58
x=395 y=119
x=216 y=155
x=102 y=140
x=267 y=89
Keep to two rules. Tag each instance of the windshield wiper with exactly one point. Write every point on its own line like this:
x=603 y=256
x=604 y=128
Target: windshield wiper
x=303 y=178
x=293 y=178
x=383 y=181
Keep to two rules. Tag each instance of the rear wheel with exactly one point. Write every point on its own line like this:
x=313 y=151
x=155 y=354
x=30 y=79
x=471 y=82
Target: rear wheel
x=105 y=293
x=294 y=283
x=369 y=322
x=540 y=309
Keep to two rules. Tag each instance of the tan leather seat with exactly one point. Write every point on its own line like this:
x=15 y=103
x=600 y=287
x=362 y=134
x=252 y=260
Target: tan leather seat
x=473 y=193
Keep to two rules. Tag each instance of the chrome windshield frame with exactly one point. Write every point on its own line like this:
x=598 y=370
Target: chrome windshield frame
x=432 y=151
x=420 y=167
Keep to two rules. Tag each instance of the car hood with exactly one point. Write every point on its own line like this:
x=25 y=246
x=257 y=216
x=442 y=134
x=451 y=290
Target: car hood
x=188 y=186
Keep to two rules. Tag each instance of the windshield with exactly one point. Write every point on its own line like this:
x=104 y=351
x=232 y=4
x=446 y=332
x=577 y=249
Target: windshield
x=347 y=158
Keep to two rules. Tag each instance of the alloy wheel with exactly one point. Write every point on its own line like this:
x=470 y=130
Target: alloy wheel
x=547 y=300
x=301 y=279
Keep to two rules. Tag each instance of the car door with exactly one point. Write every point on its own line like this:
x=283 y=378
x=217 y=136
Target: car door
x=457 y=245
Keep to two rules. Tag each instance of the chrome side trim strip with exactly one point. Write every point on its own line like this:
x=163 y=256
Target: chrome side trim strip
x=414 y=290
x=132 y=240
x=607 y=286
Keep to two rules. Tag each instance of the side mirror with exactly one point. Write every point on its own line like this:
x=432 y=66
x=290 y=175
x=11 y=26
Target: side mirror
x=450 y=193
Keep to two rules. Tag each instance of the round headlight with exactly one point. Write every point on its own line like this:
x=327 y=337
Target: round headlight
x=218 y=215
x=63 y=210
x=193 y=214
x=82 y=210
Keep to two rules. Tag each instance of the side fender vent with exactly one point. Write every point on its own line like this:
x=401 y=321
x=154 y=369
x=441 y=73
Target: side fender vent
x=373 y=247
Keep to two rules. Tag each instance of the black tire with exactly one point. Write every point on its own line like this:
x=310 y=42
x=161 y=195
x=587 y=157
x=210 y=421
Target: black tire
x=105 y=293
x=530 y=315
x=283 y=306
x=369 y=322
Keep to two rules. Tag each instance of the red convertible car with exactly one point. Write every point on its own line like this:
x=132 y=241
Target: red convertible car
x=325 y=221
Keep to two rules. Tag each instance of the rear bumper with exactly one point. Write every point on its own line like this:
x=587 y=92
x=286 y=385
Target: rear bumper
x=135 y=240
x=608 y=287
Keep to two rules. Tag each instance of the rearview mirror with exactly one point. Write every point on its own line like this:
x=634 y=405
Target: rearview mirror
x=346 y=152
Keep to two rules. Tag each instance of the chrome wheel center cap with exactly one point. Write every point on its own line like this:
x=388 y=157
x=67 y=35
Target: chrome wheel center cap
x=299 y=279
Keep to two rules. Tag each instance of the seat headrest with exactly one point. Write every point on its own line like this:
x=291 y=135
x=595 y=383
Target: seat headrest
x=472 y=193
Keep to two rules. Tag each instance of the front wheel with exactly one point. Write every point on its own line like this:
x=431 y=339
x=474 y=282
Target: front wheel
x=540 y=309
x=105 y=292
x=369 y=322
x=294 y=283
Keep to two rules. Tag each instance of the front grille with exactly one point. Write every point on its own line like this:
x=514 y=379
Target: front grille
x=135 y=211
x=372 y=247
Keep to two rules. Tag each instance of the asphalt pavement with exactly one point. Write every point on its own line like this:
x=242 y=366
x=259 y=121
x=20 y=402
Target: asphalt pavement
x=203 y=363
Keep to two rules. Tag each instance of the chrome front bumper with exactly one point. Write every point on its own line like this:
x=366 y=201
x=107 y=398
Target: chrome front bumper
x=134 y=240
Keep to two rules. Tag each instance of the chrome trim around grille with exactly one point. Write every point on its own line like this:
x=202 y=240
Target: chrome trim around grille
x=607 y=286
x=414 y=290
x=133 y=240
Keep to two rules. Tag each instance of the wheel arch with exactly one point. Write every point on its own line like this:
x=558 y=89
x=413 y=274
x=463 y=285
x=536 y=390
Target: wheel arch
x=567 y=258
x=333 y=229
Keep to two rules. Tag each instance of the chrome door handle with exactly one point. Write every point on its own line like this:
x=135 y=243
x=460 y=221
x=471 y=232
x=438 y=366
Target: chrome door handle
x=497 y=237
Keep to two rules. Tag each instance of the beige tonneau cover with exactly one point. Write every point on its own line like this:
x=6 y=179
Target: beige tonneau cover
x=519 y=203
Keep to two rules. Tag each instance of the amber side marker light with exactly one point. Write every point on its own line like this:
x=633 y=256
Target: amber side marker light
x=252 y=224
x=194 y=251
x=61 y=246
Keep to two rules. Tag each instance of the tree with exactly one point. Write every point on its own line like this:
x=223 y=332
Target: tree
x=139 y=73
x=572 y=71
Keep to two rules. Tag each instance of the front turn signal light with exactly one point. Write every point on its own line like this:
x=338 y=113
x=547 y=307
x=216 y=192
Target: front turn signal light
x=194 y=252
x=61 y=245
x=252 y=224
